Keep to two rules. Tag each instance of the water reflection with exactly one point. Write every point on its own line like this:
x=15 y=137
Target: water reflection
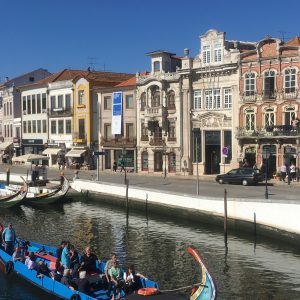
x=158 y=248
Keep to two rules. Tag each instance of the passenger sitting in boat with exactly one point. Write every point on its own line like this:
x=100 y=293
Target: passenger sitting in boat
x=60 y=249
x=30 y=261
x=89 y=261
x=116 y=278
x=74 y=257
x=18 y=254
x=59 y=271
x=83 y=285
x=66 y=279
x=65 y=256
x=42 y=269
x=132 y=280
x=108 y=266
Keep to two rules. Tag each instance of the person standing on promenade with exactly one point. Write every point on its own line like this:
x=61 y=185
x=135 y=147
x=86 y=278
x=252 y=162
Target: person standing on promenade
x=293 y=172
x=9 y=238
x=283 y=172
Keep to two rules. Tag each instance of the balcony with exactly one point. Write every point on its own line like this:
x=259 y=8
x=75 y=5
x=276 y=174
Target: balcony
x=172 y=139
x=289 y=94
x=79 y=138
x=144 y=138
x=249 y=97
x=156 y=141
x=60 y=112
x=122 y=142
x=153 y=112
x=279 y=131
x=269 y=94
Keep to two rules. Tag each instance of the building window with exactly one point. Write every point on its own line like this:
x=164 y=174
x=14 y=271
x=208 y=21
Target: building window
x=289 y=80
x=60 y=126
x=44 y=122
x=44 y=103
x=197 y=99
x=206 y=54
x=249 y=84
x=68 y=101
x=129 y=101
x=197 y=151
x=11 y=108
x=81 y=97
x=107 y=103
x=143 y=101
x=29 y=104
x=269 y=85
x=33 y=104
x=217 y=52
x=171 y=100
x=4 y=109
x=53 y=102
x=29 y=126
x=129 y=130
x=228 y=144
x=34 y=126
x=39 y=126
x=24 y=127
x=38 y=104
x=172 y=162
x=144 y=132
x=156 y=66
x=145 y=165
x=155 y=99
x=24 y=104
x=172 y=132
x=217 y=98
x=227 y=98
x=60 y=100
x=208 y=99
x=107 y=131
x=81 y=126
x=68 y=126
x=249 y=119
x=53 y=126
x=212 y=99
x=269 y=117
x=289 y=115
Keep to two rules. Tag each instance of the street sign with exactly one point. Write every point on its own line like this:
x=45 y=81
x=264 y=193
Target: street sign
x=225 y=151
x=97 y=153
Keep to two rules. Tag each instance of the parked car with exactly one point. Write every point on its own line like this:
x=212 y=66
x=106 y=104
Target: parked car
x=242 y=176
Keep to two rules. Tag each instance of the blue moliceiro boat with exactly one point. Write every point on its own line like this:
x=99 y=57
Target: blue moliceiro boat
x=205 y=291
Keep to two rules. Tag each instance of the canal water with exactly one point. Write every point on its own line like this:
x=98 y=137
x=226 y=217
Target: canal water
x=245 y=269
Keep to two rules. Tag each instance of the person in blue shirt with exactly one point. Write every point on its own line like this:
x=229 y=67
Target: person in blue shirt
x=9 y=238
x=65 y=256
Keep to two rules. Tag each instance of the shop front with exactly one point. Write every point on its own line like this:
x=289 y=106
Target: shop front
x=33 y=146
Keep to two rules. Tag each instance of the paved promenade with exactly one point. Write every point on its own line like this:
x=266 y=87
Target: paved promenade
x=181 y=184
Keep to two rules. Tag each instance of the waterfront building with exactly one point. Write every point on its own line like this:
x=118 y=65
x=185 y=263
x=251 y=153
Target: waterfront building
x=269 y=103
x=159 y=116
x=210 y=97
x=11 y=109
x=120 y=146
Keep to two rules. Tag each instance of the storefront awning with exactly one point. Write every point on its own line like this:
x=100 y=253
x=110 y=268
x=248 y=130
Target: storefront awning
x=76 y=153
x=52 y=151
x=5 y=145
x=29 y=158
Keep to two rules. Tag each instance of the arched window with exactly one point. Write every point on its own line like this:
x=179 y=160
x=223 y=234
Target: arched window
x=143 y=101
x=171 y=100
x=289 y=80
x=269 y=84
x=249 y=87
x=269 y=117
x=145 y=166
x=289 y=115
x=155 y=97
x=250 y=119
x=172 y=162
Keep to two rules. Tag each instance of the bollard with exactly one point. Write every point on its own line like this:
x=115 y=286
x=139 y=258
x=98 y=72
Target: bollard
x=7 y=176
x=225 y=212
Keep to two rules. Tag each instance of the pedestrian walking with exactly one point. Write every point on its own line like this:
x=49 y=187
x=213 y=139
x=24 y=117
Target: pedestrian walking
x=283 y=172
x=9 y=238
x=115 y=166
x=293 y=171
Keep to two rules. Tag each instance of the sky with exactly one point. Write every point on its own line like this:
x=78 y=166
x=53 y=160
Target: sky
x=115 y=35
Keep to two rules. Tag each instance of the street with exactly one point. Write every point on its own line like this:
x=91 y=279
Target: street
x=179 y=184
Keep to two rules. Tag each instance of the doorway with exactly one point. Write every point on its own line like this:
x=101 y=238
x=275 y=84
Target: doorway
x=158 y=161
x=212 y=152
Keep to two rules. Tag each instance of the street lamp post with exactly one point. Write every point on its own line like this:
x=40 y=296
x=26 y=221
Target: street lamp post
x=197 y=133
x=266 y=156
x=165 y=154
x=124 y=164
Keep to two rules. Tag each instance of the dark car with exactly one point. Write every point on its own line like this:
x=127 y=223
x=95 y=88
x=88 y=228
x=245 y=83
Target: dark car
x=242 y=176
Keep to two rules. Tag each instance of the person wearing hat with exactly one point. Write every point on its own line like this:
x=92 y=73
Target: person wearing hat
x=9 y=238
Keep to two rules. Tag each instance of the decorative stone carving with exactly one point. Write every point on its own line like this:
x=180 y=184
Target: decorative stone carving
x=215 y=120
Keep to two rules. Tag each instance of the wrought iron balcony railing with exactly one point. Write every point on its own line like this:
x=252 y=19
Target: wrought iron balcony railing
x=269 y=94
x=80 y=137
x=268 y=132
x=60 y=111
x=122 y=142
x=249 y=96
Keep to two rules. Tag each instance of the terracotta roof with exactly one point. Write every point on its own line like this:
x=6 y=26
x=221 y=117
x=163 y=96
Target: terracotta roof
x=294 y=42
x=130 y=82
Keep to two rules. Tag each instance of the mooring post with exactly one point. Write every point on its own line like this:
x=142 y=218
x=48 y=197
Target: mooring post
x=225 y=212
x=127 y=202
x=7 y=176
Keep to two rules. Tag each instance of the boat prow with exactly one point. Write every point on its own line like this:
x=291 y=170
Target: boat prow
x=13 y=198
x=207 y=289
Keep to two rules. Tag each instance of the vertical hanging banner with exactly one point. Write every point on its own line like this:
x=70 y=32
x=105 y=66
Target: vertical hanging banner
x=116 y=122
